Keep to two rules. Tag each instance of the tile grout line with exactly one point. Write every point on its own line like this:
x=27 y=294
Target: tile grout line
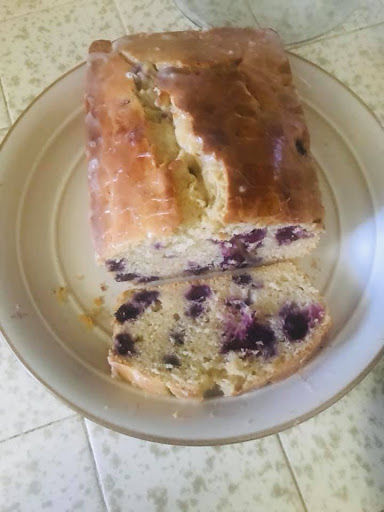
x=65 y=418
x=16 y=16
x=2 y=94
x=305 y=44
x=120 y=16
x=98 y=477
x=290 y=468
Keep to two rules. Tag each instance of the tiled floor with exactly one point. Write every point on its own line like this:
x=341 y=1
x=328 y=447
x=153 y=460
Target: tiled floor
x=49 y=469
x=357 y=59
x=338 y=456
x=227 y=478
x=50 y=459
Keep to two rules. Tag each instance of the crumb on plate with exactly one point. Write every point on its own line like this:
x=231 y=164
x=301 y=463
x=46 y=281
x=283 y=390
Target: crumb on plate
x=98 y=301
x=61 y=294
x=86 y=320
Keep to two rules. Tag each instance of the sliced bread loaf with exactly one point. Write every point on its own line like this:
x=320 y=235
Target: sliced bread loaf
x=197 y=144
x=225 y=335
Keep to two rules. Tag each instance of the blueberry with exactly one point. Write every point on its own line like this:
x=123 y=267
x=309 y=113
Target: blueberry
x=145 y=297
x=198 y=293
x=158 y=245
x=115 y=265
x=261 y=337
x=300 y=147
x=290 y=234
x=315 y=312
x=258 y=339
x=195 y=309
x=296 y=325
x=196 y=269
x=147 y=279
x=172 y=359
x=242 y=279
x=125 y=277
x=177 y=337
x=124 y=344
x=254 y=236
x=126 y=312
x=234 y=259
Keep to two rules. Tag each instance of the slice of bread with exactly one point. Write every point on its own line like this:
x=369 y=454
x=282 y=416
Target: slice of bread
x=197 y=144
x=224 y=335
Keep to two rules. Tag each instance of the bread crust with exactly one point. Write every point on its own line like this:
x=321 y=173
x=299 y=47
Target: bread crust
x=234 y=87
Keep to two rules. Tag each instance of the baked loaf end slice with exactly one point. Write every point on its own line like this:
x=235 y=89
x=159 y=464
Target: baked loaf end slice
x=199 y=154
x=223 y=335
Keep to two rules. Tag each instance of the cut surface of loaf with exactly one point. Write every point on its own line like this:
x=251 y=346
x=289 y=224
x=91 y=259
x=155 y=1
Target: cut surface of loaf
x=199 y=154
x=222 y=335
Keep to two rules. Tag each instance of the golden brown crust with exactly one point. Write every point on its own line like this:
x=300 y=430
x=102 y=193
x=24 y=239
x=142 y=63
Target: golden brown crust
x=131 y=193
x=235 y=86
x=148 y=383
x=246 y=112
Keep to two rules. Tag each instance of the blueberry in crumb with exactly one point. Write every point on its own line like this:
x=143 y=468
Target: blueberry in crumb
x=315 y=313
x=195 y=309
x=147 y=279
x=124 y=344
x=172 y=360
x=126 y=312
x=300 y=147
x=177 y=337
x=198 y=293
x=121 y=277
x=290 y=234
x=242 y=279
x=254 y=236
x=145 y=297
x=196 y=269
x=258 y=339
x=234 y=259
x=261 y=337
x=115 y=265
x=296 y=325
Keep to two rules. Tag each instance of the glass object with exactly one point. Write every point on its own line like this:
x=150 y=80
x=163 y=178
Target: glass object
x=294 y=20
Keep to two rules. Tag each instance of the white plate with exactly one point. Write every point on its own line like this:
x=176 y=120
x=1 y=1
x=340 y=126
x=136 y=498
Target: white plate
x=46 y=244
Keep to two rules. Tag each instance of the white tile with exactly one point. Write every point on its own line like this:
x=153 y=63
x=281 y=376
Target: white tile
x=141 y=476
x=24 y=403
x=369 y=12
x=357 y=59
x=37 y=48
x=338 y=456
x=152 y=16
x=49 y=469
x=11 y=8
x=4 y=117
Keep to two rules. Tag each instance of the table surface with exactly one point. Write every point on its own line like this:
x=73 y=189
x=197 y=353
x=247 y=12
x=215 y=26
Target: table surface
x=53 y=459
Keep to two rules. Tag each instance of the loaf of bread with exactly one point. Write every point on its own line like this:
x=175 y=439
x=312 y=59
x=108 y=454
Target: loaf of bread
x=222 y=335
x=199 y=156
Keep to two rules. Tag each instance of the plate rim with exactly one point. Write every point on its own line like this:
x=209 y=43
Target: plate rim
x=188 y=442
